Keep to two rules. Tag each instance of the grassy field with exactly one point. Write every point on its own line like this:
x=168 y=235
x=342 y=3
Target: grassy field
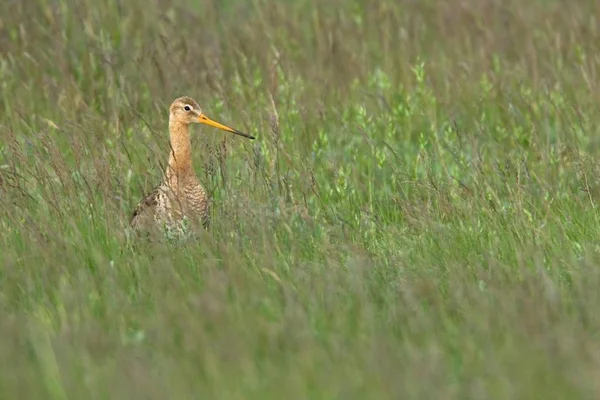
x=417 y=218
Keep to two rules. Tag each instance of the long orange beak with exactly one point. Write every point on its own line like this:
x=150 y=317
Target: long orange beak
x=205 y=120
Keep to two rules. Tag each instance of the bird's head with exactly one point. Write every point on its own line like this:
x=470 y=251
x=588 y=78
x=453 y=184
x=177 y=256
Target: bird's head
x=185 y=110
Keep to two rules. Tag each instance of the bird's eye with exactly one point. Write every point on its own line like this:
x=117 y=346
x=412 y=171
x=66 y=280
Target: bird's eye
x=187 y=108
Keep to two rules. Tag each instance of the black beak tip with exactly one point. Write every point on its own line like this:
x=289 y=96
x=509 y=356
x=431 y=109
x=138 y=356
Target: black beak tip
x=245 y=135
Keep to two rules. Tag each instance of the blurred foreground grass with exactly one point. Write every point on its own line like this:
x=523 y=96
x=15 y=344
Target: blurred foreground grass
x=417 y=218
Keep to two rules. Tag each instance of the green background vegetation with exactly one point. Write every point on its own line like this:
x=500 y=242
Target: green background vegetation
x=416 y=219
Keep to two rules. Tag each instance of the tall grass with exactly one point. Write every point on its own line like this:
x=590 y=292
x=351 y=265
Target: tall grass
x=417 y=218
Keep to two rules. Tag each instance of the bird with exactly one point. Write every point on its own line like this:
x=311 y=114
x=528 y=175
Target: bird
x=180 y=196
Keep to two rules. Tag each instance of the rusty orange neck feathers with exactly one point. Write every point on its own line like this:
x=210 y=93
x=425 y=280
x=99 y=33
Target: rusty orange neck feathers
x=180 y=159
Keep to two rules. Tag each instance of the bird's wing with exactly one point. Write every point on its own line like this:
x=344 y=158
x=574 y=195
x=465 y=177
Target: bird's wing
x=146 y=207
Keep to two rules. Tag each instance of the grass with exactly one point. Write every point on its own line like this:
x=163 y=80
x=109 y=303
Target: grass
x=416 y=219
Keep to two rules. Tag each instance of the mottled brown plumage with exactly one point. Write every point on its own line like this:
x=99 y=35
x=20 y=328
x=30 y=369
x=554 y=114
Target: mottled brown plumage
x=180 y=195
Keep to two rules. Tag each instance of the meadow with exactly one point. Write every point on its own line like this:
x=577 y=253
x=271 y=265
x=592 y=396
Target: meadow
x=416 y=219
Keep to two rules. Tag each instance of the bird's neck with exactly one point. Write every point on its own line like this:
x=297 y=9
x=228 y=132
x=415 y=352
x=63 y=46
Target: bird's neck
x=180 y=158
